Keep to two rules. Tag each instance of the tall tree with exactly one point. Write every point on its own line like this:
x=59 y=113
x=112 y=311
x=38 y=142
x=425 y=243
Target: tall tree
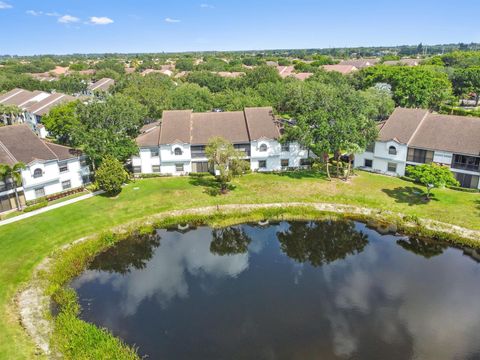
x=225 y=160
x=62 y=121
x=108 y=127
x=467 y=81
x=330 y=119
x=14 y=175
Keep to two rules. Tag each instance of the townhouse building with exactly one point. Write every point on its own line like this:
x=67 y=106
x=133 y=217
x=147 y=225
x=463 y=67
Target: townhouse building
x=50 y=168
x=176 y=146
x=418 y=136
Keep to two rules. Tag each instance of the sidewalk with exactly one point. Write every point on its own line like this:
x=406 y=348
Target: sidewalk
x=50 y=207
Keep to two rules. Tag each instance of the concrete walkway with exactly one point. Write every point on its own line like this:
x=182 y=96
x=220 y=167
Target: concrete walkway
x=49 y=207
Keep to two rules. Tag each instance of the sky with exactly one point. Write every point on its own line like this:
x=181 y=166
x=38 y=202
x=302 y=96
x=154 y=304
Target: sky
x=29 y=27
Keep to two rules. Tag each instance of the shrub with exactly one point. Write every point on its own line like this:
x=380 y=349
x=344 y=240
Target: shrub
x=111 y=175
x=36 y=206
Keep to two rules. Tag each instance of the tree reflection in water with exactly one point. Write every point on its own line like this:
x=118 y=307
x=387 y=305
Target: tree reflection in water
x=132 y=253
x=229 y=241
x=423 y=247
x=321 y=242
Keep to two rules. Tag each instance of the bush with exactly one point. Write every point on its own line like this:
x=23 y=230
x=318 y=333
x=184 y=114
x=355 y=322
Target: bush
x=111 y=175
x=149 y=176
x=36 y=206
x=458 y=188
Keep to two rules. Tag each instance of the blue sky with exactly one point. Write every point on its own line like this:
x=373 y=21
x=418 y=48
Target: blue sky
x=79 y=26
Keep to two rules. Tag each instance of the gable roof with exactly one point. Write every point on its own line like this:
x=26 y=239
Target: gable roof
x=102 y=85
x=458 y=134
x=42 y=107
x=188 y=127
x=176 y=126
x=21 y=97
x=35 y=102
x=360 y=63
x=228 y=125
x=402 y=124
x=341 y=68
x=261 y=123
x=423 y=129
x=18 y=143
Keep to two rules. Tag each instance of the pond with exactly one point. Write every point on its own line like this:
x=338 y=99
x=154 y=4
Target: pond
x=289 y=290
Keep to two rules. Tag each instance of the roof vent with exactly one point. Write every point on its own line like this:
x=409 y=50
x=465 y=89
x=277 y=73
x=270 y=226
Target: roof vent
x=217 y=110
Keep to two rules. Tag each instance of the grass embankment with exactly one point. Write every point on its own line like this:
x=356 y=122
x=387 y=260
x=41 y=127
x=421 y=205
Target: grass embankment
x=24 y=244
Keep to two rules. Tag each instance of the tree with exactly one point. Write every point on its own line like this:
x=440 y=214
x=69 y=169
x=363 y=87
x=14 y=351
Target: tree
x=467 y=81
x=111 y=175
x=380 y=102
x=432 y=176
x=260 y=75
x=14 y=175
x=413 y=86
x=62 y=121
x=108 y=127
x=225 y=160
x=229 y=241
x=9 y=113
x=192 y=96
x=330 y=119
x=321 y=242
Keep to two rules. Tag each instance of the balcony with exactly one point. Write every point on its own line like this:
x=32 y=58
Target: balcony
x=468 y=163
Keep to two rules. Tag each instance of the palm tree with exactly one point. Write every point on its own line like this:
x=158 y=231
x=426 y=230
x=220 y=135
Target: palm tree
x=13 y=173
x=9 y=113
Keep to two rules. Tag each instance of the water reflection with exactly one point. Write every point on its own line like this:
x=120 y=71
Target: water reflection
x=287 y=291
x=320 y=243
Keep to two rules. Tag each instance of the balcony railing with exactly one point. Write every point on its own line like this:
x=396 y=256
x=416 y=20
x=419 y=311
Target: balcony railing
x=464 y=166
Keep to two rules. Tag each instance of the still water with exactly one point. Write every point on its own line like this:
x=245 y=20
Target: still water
x=290 y=290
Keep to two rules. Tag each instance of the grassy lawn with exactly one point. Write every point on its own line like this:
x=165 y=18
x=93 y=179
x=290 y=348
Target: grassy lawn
x=24 y=244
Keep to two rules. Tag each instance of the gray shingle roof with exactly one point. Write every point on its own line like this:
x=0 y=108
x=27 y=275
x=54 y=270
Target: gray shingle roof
x=422 y=129
x=198 y=128
x=18 y=143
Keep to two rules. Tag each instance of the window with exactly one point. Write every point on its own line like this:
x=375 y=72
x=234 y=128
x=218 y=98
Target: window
x=178 y=151
x=368 y=163
x=392 y=150
x=137 y=169
x=154 y=152
x=83 y=162
x=370 y=147
x=467 y=181
x=5 y=203
x=262 y=164
x=305 y=162
x=419 y=156
x=63 y=167
x=463 y=162
x=156 y=168
x=39 y=193
x=392 y=167
x=179 y=167
x=284 y=163
x=37 y=173
x=86 y=179
x=286 y=147
x=66 y=184
x=263 y=148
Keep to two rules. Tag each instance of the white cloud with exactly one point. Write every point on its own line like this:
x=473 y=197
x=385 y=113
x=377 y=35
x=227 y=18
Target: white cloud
x=52 y=14
x=207 y=6
x=170 y=20
x=4 y=5
x=100 y=20
x=67 y=19
x=34 y=13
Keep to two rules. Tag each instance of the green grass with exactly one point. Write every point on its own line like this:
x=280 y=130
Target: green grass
x=24 y=244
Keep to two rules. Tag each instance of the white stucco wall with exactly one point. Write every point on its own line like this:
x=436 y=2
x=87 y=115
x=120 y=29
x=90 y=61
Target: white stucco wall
x=51 y=180
x=381 y=158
